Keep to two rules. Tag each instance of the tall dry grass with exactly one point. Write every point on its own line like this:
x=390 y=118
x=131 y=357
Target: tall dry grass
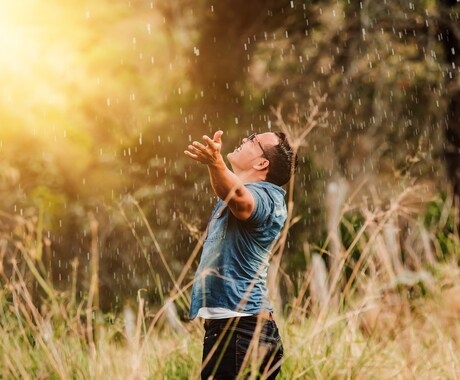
x=398 y=315
x=380 y=299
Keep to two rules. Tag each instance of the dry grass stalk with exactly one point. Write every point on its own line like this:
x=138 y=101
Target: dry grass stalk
x=391 y=237
x=92 y=306
x=301 y=302
x=335 y=199
x=319 y=284
x=298 y=127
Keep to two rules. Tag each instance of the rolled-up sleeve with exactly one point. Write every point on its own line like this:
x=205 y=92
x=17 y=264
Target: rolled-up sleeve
x=263 y=205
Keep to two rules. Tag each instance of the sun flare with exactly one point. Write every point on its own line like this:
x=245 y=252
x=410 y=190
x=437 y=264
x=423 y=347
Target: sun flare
x=37 y=60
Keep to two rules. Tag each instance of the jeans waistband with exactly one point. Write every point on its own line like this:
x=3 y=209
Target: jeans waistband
x=255 y=317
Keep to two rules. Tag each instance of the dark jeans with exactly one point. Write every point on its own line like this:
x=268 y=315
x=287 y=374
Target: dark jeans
x=236 y=346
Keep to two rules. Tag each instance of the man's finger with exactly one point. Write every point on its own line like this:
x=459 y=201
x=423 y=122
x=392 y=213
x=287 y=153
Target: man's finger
x=218 y=137
x=210 y=142
x=195 y=157
x=191 y=155
x=199 y=145
x=194 y=149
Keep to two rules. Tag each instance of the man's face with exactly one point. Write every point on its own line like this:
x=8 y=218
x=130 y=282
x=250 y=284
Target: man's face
x=250 y=152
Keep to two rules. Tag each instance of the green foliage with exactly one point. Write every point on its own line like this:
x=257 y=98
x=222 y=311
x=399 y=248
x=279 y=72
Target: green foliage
x=178 y=366
x=440 y=217
x=349 y=227
x=100 y=99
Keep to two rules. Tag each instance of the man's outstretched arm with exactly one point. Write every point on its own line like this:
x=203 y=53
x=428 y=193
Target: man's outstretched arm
x=225 y=183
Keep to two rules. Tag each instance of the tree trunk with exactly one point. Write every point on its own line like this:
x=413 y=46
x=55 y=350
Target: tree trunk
x=449 y=34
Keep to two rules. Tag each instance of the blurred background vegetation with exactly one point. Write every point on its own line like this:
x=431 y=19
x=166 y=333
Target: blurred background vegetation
x=98 y=100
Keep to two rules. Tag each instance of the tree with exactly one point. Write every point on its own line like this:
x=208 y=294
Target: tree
x=449 y=35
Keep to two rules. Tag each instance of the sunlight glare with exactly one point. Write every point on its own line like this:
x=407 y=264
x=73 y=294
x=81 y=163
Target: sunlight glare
x=35 y=60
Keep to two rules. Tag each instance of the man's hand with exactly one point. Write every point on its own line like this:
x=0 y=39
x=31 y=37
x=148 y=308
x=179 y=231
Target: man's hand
x=224 y=182
x=208 y=154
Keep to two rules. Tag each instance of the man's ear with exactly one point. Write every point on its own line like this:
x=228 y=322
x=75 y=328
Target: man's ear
x=262 y=164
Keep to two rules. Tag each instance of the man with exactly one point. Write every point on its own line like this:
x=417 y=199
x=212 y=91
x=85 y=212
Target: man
x=230 y=290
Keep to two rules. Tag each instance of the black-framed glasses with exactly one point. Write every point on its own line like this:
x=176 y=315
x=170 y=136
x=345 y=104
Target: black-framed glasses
x=253 y=137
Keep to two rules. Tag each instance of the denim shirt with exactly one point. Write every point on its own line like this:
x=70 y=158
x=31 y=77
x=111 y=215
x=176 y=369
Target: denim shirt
x=233 y=268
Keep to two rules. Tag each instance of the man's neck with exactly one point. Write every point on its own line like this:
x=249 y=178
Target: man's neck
x=250 y=175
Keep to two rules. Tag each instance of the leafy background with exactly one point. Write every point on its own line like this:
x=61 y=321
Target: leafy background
x=99 y=100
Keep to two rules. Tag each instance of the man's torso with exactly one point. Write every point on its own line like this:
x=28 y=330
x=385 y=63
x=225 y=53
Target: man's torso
x=233 y=266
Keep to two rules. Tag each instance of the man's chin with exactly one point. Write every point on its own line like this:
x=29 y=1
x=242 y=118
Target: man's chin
x=231 y=158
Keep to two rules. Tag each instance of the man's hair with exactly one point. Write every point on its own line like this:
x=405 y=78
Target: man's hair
x=281 y=158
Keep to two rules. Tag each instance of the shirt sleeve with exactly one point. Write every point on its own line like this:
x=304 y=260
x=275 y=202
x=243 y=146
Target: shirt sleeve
x=263 y=206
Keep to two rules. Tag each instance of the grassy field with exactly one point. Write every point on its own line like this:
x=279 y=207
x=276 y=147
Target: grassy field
x=387 y=319
x=410 y=340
